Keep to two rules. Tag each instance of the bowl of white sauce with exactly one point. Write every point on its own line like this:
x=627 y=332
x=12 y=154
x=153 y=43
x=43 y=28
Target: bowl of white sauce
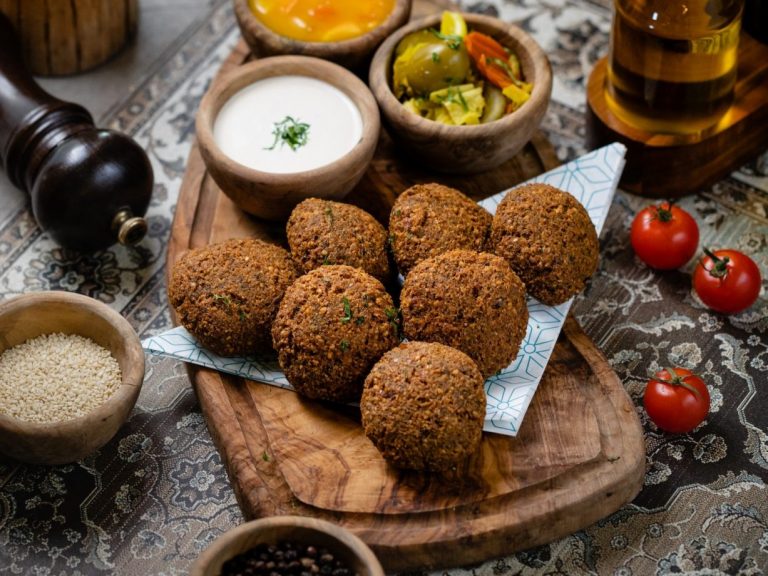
x=278 y=130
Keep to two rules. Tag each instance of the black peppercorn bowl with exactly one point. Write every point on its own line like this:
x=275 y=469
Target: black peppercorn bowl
x=309 y=539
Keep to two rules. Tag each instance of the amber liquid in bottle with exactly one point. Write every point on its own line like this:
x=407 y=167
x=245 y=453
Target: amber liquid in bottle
x=672 y=63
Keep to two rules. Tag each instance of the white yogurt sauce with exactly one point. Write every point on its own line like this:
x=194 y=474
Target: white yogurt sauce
x=244 y=125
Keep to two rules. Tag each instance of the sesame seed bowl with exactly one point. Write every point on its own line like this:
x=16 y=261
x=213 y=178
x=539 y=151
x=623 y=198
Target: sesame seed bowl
x=71 y=369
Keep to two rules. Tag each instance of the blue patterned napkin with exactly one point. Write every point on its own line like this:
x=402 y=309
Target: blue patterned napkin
x=592 y=179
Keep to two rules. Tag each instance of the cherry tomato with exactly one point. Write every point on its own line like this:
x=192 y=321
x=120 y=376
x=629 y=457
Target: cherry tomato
x=727 y=281
x=664 y=236
x=676 y=400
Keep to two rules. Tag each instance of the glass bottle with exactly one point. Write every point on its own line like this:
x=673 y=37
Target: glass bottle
x=672 y=63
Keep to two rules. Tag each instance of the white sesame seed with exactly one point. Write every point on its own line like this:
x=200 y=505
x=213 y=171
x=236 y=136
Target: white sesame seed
x=56 y=377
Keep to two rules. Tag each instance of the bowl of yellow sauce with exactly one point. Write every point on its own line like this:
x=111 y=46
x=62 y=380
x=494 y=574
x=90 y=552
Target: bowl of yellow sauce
x=346 y=32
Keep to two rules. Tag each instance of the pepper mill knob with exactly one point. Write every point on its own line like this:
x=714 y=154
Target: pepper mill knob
x=130 y=229
x=90 y=187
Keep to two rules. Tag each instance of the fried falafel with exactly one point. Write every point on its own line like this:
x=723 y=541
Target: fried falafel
x=334 y=323
x=227 y=294
x=472 y=301
x=429 y=219
x=548 y=239
x=322 y=232
x=423 y=406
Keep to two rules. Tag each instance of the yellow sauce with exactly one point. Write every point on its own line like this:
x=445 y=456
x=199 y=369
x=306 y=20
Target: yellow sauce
x=321 y=20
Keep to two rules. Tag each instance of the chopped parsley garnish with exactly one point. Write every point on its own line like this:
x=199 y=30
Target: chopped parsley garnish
x=227 y=301
x=393 y=315
x=344 y=345
x=435 y=57
x=462 y=101
x=347 y=310
x=501 y=64
x=455 y=96
x=452 y=40
x=359 y=320
x=291 y=132
x=223 y=298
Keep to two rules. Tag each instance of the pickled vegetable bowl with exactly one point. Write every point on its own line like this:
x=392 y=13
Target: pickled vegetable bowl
x=457 y=76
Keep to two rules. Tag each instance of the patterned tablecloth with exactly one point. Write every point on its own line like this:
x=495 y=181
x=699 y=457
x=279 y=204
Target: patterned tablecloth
x=156 y=495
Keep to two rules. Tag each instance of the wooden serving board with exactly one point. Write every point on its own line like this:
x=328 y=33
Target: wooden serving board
x=579 y=456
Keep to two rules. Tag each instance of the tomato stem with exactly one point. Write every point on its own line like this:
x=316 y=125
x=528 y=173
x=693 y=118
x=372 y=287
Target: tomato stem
x=676 y=380
x=664 y=211
x=719 y=265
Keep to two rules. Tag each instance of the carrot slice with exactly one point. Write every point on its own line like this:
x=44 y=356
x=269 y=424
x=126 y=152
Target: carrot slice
x=487 y=54
x=495 y=74
x=478 y=44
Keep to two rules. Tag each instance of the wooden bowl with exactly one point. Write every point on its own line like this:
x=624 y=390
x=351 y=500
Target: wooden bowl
x=272 y=196
x=354 y=53
x=339 y=542
x=39 y=313
x=464 y=149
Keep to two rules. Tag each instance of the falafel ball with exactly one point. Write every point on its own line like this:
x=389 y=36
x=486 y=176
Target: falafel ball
x=472 y=301
x=333 y=324
x=423 y=406
x=322 y=232
x=227 y=294
x=548 y=239
x=429 y=219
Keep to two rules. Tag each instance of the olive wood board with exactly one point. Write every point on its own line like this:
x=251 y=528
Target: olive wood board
x=579 y=455
x=669 y=166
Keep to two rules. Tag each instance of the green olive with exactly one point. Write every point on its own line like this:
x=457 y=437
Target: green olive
x=433 y=66
x=419 y=37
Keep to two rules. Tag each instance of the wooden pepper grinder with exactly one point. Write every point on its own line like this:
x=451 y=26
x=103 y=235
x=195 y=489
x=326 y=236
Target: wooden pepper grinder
x=90 y=187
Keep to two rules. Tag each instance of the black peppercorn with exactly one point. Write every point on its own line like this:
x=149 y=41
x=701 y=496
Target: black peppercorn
x=286 y=558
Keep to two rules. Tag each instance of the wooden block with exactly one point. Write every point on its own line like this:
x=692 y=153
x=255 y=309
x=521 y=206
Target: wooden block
x=69 y=37
x=669 y=166
x=62 y=42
